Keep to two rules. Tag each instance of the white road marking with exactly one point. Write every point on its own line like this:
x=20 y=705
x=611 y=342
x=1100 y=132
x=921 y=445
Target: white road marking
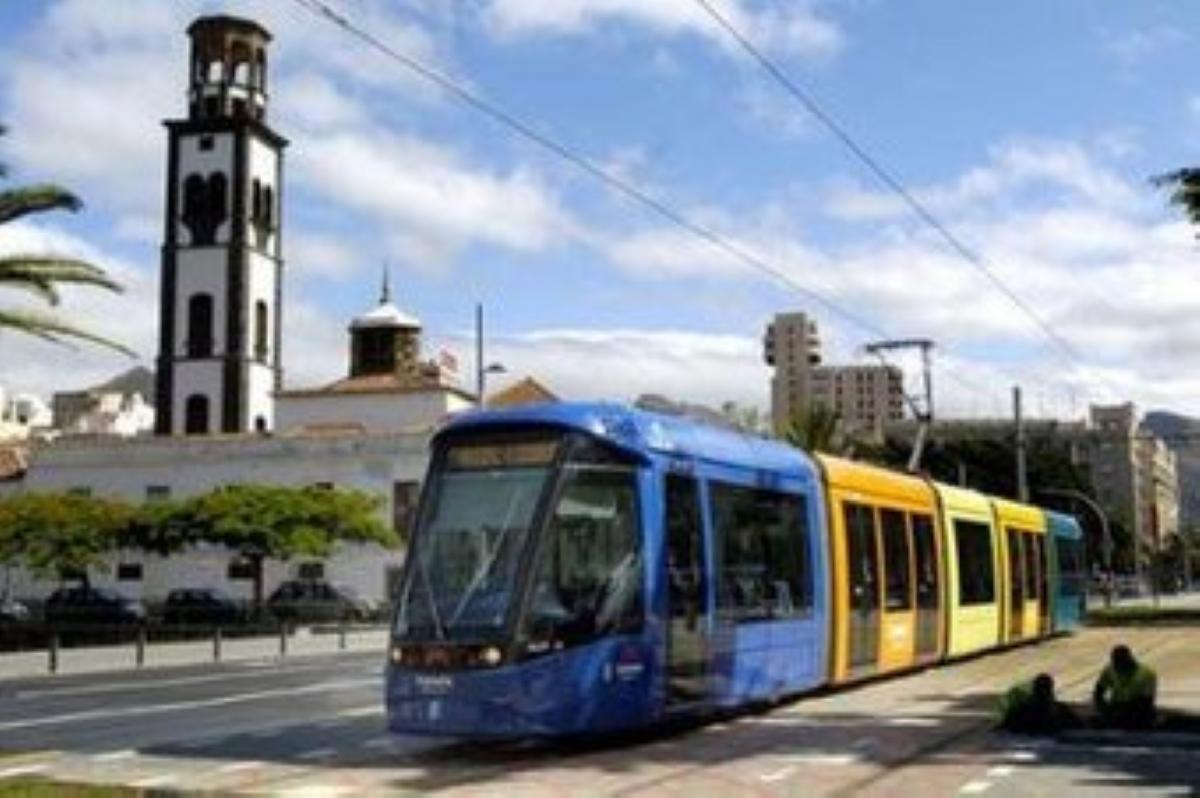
x=361 y=712
x=820 y=759
x=778 y=775
x=153 y=684
x=1023 y=756
x=1000 y=771
x=153 y=781
x=237 y=767
x=113 y=756
x=913 y=722
x=316 y=791
x=174 y=706
x=318 y=753
x=24 y=770
x=974 y=787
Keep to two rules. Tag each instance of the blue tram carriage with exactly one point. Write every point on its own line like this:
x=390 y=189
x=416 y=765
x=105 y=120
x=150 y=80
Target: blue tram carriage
x=581 y=568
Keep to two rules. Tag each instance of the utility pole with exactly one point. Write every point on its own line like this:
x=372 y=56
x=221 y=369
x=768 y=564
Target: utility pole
x=479 y=354
x=1022 y=480
x=922 y=411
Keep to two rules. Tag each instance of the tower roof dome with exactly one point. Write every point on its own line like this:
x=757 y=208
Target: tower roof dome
x=386 y=314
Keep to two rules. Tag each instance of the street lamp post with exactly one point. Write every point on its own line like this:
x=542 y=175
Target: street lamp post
x=481 y=371
x=1106 y=544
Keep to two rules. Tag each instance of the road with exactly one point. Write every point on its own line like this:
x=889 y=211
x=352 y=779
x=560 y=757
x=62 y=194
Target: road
x=314 y=726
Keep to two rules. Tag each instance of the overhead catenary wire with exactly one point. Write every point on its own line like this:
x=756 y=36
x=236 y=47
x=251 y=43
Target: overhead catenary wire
x=613 y=181
x=887 y=177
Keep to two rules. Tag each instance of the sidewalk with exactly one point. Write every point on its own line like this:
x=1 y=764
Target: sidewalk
x=99 y=659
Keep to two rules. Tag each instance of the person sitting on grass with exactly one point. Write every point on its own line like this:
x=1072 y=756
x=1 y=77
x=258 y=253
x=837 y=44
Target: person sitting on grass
x=1030 y=708
x=1125 y=692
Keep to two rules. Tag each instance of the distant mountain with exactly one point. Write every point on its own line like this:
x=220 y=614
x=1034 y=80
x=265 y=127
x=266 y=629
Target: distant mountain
x=1182 y=435
x=138 y=379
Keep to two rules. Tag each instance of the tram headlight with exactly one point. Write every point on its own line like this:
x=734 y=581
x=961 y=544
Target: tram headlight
x=397 y=655
x=490 y=655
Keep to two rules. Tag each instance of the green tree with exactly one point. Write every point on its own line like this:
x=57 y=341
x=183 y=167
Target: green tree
x=1184 y=187
x=261 y=522
x=60 y=533
x=42 y=275
x=818 y=428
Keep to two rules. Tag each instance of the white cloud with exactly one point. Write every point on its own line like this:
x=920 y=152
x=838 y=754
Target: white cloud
x=622 y=364
x=793 y=28
x=1131 y=47
x=1065 y=168
x=131 y=318
x=426 y=198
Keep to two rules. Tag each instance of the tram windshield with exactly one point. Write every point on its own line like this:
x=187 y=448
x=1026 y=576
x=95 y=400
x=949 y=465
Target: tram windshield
x=476 y=548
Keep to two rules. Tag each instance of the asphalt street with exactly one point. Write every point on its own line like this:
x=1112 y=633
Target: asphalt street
x=314 y=726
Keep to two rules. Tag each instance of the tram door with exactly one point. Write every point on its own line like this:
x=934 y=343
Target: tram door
x=1016 y=585
x=929 y=588
x=687 y=643
x=862 y=567
x=1043 y=585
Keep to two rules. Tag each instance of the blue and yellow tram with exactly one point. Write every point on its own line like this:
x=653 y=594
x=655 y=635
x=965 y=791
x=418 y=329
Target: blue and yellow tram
x=580 y=568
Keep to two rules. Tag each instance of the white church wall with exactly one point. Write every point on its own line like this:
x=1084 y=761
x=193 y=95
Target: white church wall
x=260 y=288
x=259 y=390
x=264 y=163
x=375 y=412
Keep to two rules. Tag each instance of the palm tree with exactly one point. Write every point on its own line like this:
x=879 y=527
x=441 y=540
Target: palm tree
x=43 y=274
x=818 y=428
x=1184 y=185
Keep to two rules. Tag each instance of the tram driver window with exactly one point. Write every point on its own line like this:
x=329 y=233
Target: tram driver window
x=762 y=538
x=976 y=580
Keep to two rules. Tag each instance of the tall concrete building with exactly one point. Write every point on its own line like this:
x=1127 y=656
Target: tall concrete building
x=865 y=397
x=1134 y=474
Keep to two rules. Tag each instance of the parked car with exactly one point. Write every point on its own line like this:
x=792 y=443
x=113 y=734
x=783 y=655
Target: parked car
x=13 y=611
x=317 y=600
x=201 y=605
x=92 y=605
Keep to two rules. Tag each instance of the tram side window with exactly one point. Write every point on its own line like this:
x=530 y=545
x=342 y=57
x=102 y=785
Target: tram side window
x=896 y=560
x=1070 y=565
x=1029 y=551
x=762 y=537
x=589 y=576
x=976 y=580
x=927 y=571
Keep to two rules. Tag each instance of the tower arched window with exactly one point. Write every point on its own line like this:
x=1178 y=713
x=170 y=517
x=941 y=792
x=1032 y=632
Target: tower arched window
x=216 y=71
x=256 y=200
x=217 y=203
x=260 y=330
x=200 y=326
x=195 y=207
x=269 y=206
x=195 y=415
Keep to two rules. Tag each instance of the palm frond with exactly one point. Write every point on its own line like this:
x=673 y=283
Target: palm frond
x=19 y=202
x=40 y=273
x=50 y=328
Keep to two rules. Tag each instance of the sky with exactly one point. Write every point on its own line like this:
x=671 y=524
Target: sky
x=1029 y=128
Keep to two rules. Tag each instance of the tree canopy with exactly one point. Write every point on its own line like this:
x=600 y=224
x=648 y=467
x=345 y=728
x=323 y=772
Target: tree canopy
x=55 y=533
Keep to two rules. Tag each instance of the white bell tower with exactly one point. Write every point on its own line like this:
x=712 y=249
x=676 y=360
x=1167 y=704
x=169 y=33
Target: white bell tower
x=222 y=265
